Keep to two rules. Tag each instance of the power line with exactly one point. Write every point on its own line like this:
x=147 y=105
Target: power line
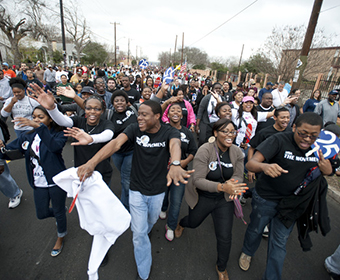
x=329 y=9
x=225 y=22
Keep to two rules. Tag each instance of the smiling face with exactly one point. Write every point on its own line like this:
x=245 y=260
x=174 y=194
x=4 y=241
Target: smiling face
x=218 y=89
x=119 y=103
x=305 y=135
x=39 y=117
x=93 y=110
x=239 y=97
x=180 y=95
x=225 y=136
x=149 y=82
x=267 y=100
x=226 y=87
x=317 y=94
x=147 y=120
x=175 y=114
x=282 y=120
x=146 y=93
x=247 y=106
x=225 y=112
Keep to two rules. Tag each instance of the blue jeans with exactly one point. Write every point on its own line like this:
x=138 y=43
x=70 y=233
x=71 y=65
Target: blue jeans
x=123 y=162
x=333 y=262
x=176 y=196
x=42 y=198
x=263 y=213
x=7 y=184
x=144 y=212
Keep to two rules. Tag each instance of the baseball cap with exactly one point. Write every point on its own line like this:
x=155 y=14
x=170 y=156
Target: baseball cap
x=5 y=63
x=333 y=92
x=269 y=84
x=87 y=89
x=48 y=66
x=240 y=85
x=248 y=98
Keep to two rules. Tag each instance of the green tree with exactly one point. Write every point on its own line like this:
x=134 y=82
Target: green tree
x=95 y=53
x=57 y=56
x=258 y=63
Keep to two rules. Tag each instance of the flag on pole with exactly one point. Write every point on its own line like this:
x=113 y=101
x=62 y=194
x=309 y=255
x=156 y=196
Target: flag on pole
x=168 y=75
x=143 y=64
x=178 y=67
x=184 y=67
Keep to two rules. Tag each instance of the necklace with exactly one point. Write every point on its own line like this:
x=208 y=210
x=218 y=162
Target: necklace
x=87 y=128
x=221 y=155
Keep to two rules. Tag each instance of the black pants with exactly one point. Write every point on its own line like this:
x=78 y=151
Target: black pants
x=222 y=214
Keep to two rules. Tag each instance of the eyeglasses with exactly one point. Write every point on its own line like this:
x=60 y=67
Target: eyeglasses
x=305 y=135
x=96 y=109
x=227 y=132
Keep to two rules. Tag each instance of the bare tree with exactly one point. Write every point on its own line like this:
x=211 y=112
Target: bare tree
x=15 y=28
x=42 y=30
x=289 y=38
x=76 y=27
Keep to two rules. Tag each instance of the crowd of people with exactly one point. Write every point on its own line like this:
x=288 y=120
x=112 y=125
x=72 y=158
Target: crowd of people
x=231 y=136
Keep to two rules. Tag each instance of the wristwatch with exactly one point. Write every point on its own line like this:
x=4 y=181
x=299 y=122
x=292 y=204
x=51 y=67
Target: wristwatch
x=175 y=163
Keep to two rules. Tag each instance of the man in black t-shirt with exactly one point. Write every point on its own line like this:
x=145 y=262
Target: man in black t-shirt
x=284 y=164
x=153 y=144
x=281 y=117
x=133 y=94
x=265 y=106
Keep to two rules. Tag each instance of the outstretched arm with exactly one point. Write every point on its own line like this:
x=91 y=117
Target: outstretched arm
x=85 y=170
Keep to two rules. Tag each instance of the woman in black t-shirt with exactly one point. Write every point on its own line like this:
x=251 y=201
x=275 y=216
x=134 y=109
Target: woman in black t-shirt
x=188 y=147
x=91 y=131
x=122 y=117
x=218 y=168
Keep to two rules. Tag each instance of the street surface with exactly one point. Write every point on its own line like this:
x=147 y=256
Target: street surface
x=26 y=243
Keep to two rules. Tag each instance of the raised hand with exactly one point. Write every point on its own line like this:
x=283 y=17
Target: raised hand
x=45 y=99
x=25 y=122
x=79 y=134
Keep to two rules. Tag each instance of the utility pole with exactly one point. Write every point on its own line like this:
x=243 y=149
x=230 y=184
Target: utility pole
x=302 y=62
x=170 y=58
x=239 y=64
x=182 y=48
x=115 y=33
x=175 y=49
x=128 y=51
x=63 y=31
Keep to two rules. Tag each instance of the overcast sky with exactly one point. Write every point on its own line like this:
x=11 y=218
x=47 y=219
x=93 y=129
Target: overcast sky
x=153 y=25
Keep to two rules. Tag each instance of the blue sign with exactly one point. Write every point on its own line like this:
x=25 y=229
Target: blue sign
x=143 y=64
x=168 y=75
x=329 y=144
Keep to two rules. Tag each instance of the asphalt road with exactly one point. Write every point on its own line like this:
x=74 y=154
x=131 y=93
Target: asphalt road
x=26 y=243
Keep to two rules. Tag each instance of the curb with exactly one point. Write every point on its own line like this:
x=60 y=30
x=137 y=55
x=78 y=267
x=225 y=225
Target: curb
x=333 y=193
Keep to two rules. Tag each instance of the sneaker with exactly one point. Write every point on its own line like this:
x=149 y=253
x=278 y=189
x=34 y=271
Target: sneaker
x=244 y=261
x=14 y=202
x=169 y=233
x=332 y=274
x=265 y=232
x=162 y=215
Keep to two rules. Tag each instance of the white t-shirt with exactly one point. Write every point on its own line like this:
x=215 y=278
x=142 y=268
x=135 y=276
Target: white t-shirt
x=279 y=96
x=249 y=119
x=38 y=172
x=23 y=108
